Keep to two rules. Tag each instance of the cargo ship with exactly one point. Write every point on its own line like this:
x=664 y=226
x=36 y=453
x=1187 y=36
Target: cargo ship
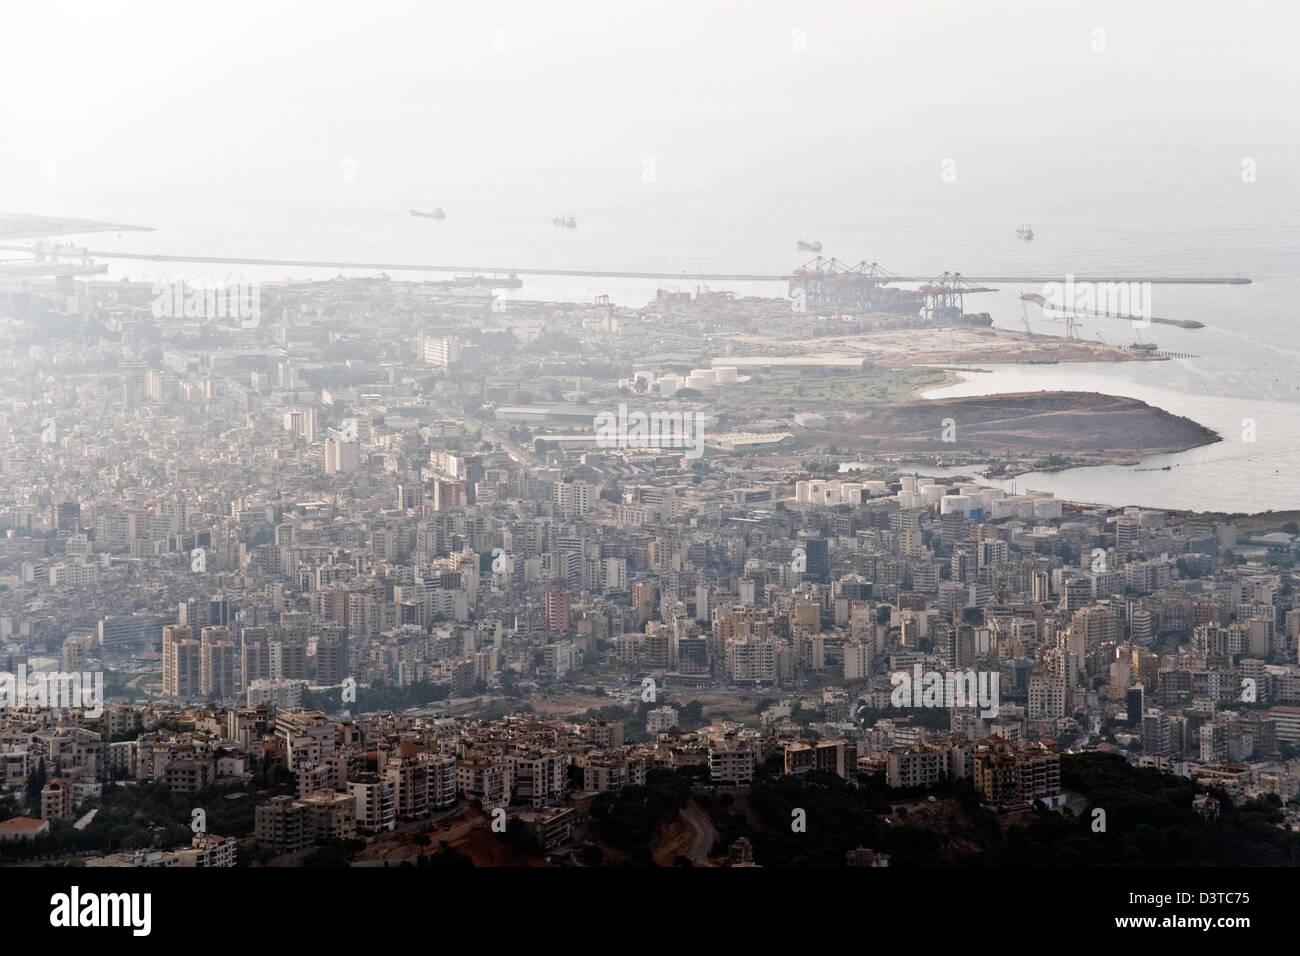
x=436 y=214
x=1025 y=232
x=809 y=245
x=494 y=281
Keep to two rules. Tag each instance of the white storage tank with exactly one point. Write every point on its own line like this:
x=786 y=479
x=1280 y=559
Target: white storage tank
x=1047 y=508
x=1002 y=508
x=954 y=504
x=931 y=494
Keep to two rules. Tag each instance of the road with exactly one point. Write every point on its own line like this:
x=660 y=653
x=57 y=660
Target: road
x=705 y=834
x=491 y=432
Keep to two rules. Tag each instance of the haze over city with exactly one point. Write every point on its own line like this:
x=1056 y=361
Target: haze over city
x=594 y=436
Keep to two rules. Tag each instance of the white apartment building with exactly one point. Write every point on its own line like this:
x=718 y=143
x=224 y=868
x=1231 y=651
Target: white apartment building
x=376 y=804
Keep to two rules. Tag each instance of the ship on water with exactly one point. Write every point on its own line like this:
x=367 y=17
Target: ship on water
x=809 y=245
x=494 y=281
x=1140 y=346
x=436 y=214
x=569 y=223
x=1025 y=232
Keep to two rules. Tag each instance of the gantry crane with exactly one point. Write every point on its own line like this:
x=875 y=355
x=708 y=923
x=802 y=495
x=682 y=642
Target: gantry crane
x=945 y=295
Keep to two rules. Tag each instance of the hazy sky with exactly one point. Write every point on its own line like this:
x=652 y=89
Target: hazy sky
x=263 y=99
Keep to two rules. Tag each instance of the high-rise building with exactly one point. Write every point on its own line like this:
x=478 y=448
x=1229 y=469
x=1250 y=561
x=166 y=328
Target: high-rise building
x=288 y=653
x=474 y=473
x=818 y=558
x=340 y=456
x=557 y=611
x=67 y=517
x=858 y=660
x=1133 y=706
x=643 y=599
x=217 y=663
x=134 y=376
x=254 y=656
x=1098 y=624
x=77 y=648
x=439 y=351
x=442 y=779
x=376 y=803
x=332 y=655
x=283 y=824
x=181 y=662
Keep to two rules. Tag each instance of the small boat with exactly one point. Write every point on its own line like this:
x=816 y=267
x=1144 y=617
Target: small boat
x=1143 y=346
x=436 y=214
x=1025 y=232
x=569 y=223
x=809 y=245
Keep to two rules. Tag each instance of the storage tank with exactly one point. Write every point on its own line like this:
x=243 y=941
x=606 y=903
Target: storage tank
x=1002 y=508
x=930 y=494
x=954 y=504
x=1047 y=508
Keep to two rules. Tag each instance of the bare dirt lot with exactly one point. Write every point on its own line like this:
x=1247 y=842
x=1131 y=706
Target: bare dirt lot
x=958 y=345
x=1019 y=425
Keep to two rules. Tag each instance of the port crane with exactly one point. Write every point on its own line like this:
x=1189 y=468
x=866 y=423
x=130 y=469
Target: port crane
x=830 y=283
x=945 y=295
